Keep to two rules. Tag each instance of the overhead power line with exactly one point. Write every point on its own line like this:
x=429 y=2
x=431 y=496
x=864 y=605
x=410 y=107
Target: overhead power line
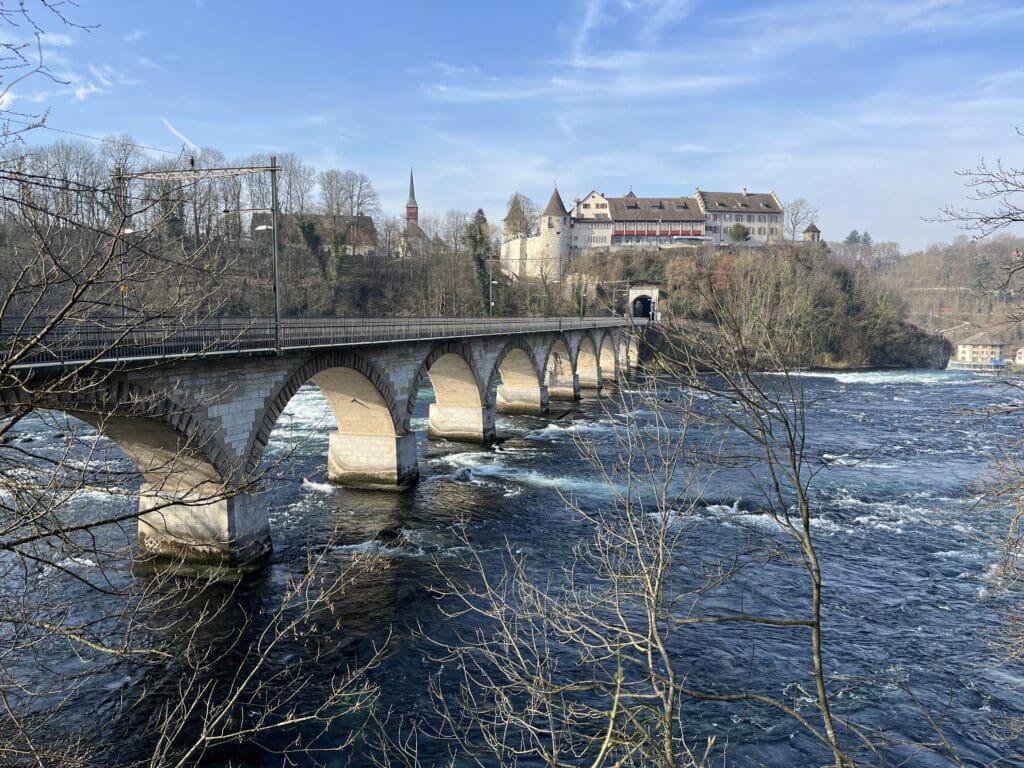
x=45 y=127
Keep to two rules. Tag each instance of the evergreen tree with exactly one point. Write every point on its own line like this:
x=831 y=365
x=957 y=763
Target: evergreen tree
x=853 y=238
x=739 y=233
x=477 y=238
x=865 y=239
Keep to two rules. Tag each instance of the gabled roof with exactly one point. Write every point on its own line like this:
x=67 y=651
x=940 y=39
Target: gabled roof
x=983 y=339
x=738 y=202
x=555 y=205
x=633 y=208
x=812 y=229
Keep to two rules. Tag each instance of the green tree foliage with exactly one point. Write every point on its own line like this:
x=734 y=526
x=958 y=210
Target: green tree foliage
x=739 y=233
x=853 y=238
x=865 y=239
x=477 y=237
x=310 y=235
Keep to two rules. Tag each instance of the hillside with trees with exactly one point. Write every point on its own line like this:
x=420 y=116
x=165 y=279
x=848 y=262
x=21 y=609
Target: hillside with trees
x=838 y=314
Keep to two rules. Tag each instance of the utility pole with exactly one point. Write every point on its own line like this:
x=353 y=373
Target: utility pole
x=120 y=245
x=192 y=175
x=277 y=280
x=490 y=287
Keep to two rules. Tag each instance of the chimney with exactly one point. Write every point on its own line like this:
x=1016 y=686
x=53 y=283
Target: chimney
x=744 y=191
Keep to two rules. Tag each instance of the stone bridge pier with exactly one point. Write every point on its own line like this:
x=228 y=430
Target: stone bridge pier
x=197 y=428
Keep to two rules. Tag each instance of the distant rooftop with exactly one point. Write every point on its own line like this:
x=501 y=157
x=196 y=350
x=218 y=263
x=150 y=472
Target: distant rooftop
x=983 y=339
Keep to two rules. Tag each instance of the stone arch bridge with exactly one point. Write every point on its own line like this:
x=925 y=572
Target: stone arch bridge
x=194 y=409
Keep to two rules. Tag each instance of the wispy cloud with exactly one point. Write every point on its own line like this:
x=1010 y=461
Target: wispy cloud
x=134 y=36
x=181 y=136
x=57 y=39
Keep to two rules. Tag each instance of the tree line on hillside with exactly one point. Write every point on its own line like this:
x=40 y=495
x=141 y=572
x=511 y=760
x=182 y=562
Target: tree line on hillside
x=838 y=314
x=957 y=288
x=89 y=197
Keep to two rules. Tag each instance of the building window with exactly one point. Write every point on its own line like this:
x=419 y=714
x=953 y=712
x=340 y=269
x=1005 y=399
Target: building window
x=760 y=230
x=586 y=205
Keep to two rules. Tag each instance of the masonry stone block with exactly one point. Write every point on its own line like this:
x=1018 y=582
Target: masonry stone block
x=383 y=462
x=463 y=423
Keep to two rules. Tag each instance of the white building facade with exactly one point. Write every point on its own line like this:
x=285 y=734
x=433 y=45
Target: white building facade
x=600 y=222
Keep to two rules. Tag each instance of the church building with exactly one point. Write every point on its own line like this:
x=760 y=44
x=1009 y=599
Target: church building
x=415 y=241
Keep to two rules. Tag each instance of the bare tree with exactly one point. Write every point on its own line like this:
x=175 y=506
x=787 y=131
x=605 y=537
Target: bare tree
x=583 y=662
x=88 y=251
x=799 y=215
x=529 y=223
x=358 y=195
x=297 y=184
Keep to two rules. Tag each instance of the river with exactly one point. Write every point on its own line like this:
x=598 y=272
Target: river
x=907 y=553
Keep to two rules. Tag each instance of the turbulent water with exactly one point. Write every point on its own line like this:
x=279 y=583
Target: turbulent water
x=907 y=550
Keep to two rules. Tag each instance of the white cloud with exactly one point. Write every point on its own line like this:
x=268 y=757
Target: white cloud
x=181 y=136
x=83 y=91
x=134 y=36
x=57 y=39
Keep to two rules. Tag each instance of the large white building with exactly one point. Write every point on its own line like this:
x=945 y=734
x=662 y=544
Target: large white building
x=599 y=222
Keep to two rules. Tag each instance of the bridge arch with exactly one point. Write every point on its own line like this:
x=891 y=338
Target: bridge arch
x=588 y=367
x=516 y=384
x=560 y=370
x=370 y=447
x=190 y=504
x=461 y=410
x=608 y=356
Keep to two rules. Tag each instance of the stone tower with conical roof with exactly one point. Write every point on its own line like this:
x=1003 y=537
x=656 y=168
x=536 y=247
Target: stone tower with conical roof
x=555 y=239
x=412 y=210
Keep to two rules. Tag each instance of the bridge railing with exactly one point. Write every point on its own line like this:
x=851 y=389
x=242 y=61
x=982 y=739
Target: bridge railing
x=110 y=339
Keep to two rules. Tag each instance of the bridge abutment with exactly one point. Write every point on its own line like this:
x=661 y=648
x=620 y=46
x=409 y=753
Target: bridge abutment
x=385 y=462
x=468 y=424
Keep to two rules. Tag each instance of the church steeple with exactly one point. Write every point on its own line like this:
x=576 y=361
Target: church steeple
x=412 y=210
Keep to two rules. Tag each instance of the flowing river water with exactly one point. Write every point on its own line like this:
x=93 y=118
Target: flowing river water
x=907 y=553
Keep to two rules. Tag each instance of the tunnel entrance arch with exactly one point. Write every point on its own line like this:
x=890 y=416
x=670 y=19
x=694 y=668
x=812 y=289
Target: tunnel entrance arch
x=643 y=306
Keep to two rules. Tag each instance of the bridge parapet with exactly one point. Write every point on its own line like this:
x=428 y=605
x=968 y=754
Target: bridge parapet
x=109 y=340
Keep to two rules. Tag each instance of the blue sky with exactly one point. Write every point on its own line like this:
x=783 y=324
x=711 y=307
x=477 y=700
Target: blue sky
x=864 y=108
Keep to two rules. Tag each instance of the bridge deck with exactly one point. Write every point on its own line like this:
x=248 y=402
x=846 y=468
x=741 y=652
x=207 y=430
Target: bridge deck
x=109 y=340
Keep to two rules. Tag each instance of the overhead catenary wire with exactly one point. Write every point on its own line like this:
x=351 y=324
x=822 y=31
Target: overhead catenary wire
x=5 y=117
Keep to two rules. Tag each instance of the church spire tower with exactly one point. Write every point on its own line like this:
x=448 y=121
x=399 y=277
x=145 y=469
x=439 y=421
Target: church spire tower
x=412 y=210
